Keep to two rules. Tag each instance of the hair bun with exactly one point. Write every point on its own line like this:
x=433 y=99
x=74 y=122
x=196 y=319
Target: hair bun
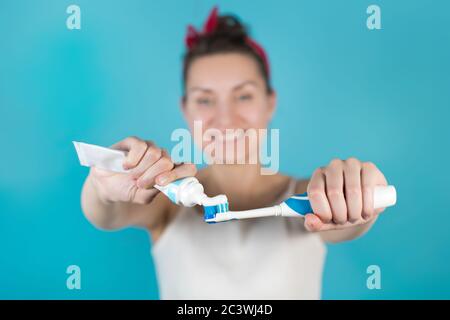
x=229 y=27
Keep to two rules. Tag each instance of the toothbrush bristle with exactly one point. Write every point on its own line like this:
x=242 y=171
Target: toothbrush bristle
x=210 y=211
x=223 y=207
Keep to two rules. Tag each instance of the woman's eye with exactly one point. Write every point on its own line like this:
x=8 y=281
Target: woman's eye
x=204 y=101
x=245 y=97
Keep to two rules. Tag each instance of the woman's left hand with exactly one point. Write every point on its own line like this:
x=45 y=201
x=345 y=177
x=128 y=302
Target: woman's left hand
x=341 y=195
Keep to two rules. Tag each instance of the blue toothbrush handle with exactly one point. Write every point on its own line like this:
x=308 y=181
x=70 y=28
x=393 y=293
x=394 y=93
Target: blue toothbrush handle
x=296 y=205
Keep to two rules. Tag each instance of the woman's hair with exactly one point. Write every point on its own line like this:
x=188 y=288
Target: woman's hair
x=229 y=36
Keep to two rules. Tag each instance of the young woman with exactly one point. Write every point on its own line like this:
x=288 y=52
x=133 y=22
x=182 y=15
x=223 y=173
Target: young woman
x=227 y=86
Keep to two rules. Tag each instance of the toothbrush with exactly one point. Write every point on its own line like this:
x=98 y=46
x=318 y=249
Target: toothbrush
x=295 y=206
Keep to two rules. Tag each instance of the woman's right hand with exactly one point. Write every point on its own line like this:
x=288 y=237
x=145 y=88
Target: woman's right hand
x=147 y=164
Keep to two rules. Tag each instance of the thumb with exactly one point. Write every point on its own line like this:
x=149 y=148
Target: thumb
x=313 y=222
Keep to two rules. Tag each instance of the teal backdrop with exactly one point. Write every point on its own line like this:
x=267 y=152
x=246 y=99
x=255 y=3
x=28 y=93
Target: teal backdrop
x=344 y=90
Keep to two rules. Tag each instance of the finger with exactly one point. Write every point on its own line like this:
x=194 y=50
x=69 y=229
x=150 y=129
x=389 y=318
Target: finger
x=136 y=149
x=352 y=186
x=369 y=179
x=151 y=156
x=313 y=222
x=144 y=196
x=381 y=181
x=178 y=172
x=334 y=182
x=320 y=226
x=317 y=196
x=147 y=180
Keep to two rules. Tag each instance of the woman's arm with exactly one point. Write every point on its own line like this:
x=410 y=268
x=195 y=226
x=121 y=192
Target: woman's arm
x=108 y=215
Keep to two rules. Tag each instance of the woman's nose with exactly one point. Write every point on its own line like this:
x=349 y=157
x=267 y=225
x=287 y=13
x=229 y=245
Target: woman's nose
x=224 y=116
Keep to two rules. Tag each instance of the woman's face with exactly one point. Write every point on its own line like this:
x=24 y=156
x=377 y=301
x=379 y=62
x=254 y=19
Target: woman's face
x=226 y=92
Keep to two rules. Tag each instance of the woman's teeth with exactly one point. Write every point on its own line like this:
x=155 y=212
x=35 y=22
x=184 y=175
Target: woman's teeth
x=230 y=136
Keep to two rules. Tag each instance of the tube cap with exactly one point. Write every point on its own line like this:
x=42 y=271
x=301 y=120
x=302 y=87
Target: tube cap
x=384 y=196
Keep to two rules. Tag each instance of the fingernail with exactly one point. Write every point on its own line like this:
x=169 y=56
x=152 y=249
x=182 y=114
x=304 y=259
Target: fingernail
x=162 y=180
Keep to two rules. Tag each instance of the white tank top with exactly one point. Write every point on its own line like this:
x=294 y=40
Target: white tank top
x=261 y=258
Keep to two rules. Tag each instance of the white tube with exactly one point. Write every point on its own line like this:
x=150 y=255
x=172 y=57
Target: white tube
x=100 y=157
x=384 y=196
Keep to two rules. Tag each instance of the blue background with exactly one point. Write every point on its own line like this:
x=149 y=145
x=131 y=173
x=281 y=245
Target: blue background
x=343 y=91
